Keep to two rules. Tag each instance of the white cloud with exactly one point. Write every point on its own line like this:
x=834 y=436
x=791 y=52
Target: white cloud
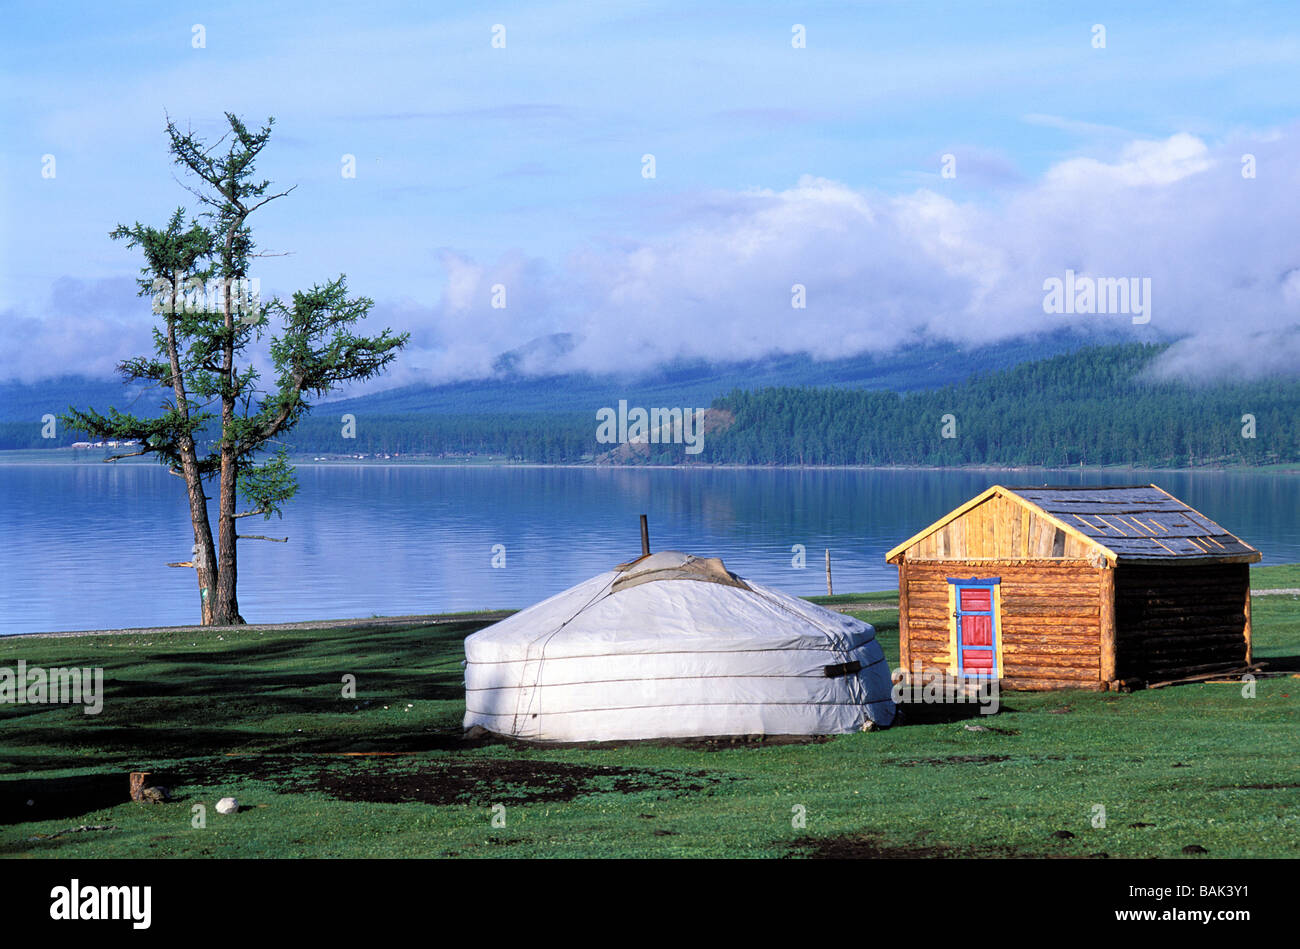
x=1222 y=252
x=1142 y=163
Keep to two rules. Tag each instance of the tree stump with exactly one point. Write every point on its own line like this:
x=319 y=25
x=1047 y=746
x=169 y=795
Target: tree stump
x=139 y=781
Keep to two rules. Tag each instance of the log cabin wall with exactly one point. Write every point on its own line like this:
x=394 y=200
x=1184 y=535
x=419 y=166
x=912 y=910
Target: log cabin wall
x=1049 y=628
x=1181 y=620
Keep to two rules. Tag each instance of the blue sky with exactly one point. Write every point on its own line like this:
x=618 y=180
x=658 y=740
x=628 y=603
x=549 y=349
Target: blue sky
x=522 y=166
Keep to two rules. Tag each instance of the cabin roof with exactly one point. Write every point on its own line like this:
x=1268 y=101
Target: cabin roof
x=1128 y=523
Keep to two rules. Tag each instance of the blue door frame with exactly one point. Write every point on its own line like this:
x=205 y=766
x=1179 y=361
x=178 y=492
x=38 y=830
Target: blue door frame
x=976 y=583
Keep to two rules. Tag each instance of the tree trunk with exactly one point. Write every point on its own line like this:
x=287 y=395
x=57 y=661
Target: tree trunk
x=204 y=555
x=137 y=781
x=227 y=607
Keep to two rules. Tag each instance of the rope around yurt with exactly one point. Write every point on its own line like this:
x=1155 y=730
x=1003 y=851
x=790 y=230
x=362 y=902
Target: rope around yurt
x=514 y=727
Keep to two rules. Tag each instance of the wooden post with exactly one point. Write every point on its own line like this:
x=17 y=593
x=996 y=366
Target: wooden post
x=829 y=590
x=904 y=645
x=139 y=780
x=1107 y=626
x=954 y=634
x=645 y=537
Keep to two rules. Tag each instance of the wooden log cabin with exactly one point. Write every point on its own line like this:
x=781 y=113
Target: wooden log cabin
x=1074 y=588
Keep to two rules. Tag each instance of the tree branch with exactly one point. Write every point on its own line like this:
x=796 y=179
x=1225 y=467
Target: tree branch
x=129 y=454
x=265 y=200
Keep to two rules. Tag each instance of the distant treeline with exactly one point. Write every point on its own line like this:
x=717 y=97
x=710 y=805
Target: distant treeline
x=526 y=436
x=1094 y=406
x=531 y=437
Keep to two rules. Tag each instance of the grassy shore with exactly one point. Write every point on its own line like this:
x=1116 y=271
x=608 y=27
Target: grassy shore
x=260 y=716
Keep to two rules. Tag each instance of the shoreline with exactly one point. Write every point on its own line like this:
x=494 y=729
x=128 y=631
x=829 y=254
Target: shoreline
x=62 y=457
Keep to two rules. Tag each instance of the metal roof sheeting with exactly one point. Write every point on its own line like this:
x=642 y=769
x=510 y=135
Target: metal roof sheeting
x=1137 y=522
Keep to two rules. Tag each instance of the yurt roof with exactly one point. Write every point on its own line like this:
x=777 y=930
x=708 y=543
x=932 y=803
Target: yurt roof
x=674 y=565
x=660 y=600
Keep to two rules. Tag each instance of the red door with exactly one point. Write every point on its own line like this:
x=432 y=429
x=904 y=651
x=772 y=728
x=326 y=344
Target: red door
x=976 y=631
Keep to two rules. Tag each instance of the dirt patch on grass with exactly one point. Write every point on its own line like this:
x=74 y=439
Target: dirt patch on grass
x=214 y=772
x=401 y=779
x=952 y=759
x=870 y=845
x=493 y=781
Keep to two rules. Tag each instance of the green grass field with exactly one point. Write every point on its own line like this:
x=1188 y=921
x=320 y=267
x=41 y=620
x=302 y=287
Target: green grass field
x=260 y=716
x=1283 y=576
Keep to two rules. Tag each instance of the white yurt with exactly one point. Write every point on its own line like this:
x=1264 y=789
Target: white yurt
x=674 y=646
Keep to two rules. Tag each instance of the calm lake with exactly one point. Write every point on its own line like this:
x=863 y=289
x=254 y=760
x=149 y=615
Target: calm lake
x=86 y=546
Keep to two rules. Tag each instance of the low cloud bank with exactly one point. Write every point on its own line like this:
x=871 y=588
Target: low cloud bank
x=877 y=271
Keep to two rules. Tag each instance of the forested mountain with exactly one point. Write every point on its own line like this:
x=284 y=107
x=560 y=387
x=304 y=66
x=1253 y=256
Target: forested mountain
x=510 y=392
x=696 y=383
x=27 y=402
x=1095 y=405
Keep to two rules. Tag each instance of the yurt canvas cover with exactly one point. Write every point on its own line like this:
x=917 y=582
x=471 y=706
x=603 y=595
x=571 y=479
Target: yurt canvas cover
x=674 y=646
